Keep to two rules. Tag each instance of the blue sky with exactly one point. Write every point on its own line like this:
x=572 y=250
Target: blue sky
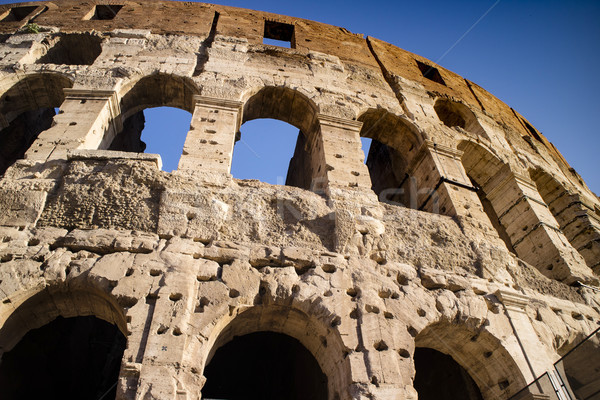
x=539 y=57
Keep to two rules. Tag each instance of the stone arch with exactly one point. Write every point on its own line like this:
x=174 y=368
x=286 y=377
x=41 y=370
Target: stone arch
x=481 y=167
x=295 y=108
x=576 y=219
x=395 y=143
x=156 y=90
x=33 y=91
x=322 y=342
x=39 y=308
x=26 y=110
x=455 y=114
x=484 y=357
x=74 y=336
x=284 y=104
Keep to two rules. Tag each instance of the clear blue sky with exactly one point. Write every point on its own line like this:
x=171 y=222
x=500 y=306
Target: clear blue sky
x=540 y=57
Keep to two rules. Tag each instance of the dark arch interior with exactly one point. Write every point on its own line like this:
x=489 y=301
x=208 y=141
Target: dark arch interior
x=439 y=377
x=20 y=134
x=264 y=365
x=387 y=171
x=449 y=114
x=69 y=358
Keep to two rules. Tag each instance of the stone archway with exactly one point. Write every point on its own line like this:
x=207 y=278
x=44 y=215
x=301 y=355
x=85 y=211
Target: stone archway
x=455 y=114
x=26 y=110
x=395 y=143
x=319 y=349
x=292 y=107
x=73 y=339
x=456 y=351
x=264 y=365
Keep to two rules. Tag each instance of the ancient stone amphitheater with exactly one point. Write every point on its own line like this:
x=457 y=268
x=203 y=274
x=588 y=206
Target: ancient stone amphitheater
x=460 y=262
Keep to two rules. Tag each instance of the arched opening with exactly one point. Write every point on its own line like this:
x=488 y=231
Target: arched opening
x=28 y=108
x=156 y=112
x=69 y=357
x=69 y=341
x=454 y=114
x=72 y=49
x=453 y=361
x=488 y=208
x=439 y=377
x=295 y=109
x=316 y=348
x=394 y=143
x=158 y=130
x=576 y=219
x=481 y=166
x=268 y=150
x=264 y=365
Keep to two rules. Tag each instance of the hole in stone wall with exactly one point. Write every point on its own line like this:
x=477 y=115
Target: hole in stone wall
x=73 y=49
x=448 y=114
x=266 y=366
x=17 y=13
x=68 y=356
x=271 y=151
x=163 y=130
x=430 y=73
x=104 y=12
x=439 y=377
x=279 y=34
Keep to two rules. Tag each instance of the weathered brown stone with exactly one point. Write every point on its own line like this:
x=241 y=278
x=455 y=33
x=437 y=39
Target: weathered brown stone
x=455 y=236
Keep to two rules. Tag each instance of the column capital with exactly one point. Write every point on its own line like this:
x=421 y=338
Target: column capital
x=221 y=104
x=88 y=94
x=513 y=301
x=337 y=122
x=97 y=94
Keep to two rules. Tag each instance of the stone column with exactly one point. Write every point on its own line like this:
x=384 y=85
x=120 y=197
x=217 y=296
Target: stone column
x=580 y=224
x=337 y=157
x=165 y=371
x=439 y=183
x=209 y=144
x=533 y=231
x=88 y=119
x=535 y=360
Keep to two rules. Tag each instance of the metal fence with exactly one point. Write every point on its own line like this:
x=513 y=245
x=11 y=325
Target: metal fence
x=576 y=376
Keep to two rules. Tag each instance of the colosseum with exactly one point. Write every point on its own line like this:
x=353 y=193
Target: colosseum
x=460 y=261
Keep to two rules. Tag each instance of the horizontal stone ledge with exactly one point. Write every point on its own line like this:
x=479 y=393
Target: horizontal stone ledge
x=113 y=155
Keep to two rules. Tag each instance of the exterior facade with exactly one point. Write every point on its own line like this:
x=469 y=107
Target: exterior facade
x=461 y=260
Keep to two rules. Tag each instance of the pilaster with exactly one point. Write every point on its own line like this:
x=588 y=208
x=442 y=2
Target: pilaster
x=88 y=119
x=209 y=144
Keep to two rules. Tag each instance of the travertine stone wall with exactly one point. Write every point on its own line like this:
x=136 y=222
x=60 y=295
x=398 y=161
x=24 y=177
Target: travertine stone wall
x=182 y=262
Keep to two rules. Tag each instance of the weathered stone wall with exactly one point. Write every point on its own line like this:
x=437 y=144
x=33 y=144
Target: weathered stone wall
x=182 y=262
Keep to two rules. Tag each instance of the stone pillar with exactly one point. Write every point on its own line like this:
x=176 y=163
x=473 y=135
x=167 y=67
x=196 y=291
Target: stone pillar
x=209 y=144
x=165 y=371
x=533 y=231
x=580 y=224
x=438 y=182
x=88 y=119
x=535 y=360
x=337 y=157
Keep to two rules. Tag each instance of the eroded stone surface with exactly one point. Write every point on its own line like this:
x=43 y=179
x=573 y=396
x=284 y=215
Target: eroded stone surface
x=469 y=243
